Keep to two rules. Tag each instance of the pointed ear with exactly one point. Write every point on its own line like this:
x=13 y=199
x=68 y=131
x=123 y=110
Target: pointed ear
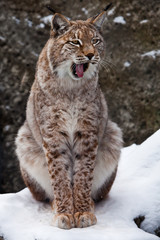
x=59 y=24
x=99 y=19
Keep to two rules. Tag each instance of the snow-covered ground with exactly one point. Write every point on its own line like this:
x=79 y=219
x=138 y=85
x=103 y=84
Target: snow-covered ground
x=136 y=192
x=120 y=20
x=153 y=54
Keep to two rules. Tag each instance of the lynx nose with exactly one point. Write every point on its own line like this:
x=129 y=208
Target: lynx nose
x=90 y=55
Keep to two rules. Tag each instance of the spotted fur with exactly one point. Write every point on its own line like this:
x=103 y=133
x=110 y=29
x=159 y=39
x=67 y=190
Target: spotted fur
x=68 y=149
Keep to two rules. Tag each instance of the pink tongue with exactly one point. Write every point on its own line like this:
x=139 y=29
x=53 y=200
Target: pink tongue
x=79 y=70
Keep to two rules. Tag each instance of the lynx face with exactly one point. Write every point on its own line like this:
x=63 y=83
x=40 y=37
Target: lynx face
x=79 y=49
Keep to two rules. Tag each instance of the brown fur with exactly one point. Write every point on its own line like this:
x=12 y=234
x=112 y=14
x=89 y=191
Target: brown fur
x=68 y=148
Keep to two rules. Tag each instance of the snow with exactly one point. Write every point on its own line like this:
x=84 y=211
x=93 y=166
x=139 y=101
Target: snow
x=120 y=20
x=28 y=22
x=6 y=128
x=35 y=54
x=16 y=20
x=21 y=43
x=136 y=192
x=127 y=64
x=85 y=10
x=41 y=25
x=152 y=54
x=143 y=21
x=47 y=19
x=111 y=12
x=2 y=38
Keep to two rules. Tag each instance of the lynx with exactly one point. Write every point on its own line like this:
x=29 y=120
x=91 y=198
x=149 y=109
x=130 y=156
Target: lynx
x=68 y=148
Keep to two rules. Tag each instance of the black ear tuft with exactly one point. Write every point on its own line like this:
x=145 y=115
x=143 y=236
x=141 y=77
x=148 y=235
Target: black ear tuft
x=50 y=9
x=98 y=20
x=107 y=7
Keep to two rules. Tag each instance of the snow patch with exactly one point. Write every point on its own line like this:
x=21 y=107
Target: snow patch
x=7 y=107
x=7 y=128
x=20 y=43
x=135 y=192
x=143 y=21
x=41 y=25
x=120 y=20
x=28 y=22
x=16 y=20
x=47 y=19
x=127 y=64
x=2 y=38
x=34 y=53
x=153 y=54
x=85 y=11
x=111 y=12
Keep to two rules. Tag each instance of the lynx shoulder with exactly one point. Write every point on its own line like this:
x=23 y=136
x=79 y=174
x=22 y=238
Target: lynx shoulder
x=68 y=149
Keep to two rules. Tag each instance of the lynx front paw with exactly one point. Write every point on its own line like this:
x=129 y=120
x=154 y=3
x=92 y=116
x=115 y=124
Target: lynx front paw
x=84 y=219
x=63 y=220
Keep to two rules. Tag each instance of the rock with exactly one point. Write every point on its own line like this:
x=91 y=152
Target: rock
x=15 y=70
x=157 y=231
x=139 y=220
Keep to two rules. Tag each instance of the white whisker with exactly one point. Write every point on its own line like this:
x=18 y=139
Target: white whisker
x=107 y=65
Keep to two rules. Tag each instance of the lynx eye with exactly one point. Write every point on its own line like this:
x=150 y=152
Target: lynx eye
x=75 y=42
x=95 y=41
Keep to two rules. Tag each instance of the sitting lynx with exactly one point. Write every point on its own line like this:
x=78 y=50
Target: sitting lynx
x=68 y=149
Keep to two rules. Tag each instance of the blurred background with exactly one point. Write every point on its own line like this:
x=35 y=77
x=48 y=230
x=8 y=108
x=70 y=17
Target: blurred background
x=130 y=76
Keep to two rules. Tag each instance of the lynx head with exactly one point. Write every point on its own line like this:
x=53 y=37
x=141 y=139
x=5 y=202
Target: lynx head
x=75 y=48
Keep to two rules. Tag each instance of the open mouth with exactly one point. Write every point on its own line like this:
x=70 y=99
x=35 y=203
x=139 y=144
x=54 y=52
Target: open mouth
x=79 y=69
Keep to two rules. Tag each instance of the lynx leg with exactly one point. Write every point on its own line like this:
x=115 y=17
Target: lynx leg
x=107 y=162
x=85 y=154
x=59 y=167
